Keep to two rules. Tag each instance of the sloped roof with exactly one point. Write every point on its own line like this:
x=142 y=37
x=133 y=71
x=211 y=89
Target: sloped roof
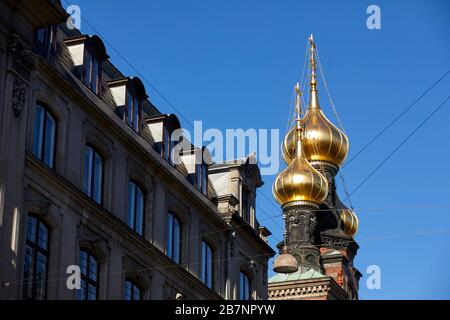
x=301 y=274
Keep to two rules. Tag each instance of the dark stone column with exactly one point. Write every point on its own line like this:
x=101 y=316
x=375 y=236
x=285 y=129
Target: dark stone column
x=302 y=233
x=330 y=171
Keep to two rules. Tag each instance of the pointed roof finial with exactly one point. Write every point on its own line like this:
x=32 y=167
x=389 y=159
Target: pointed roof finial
x=298 y=103
x=314 y=101
x=299 y=129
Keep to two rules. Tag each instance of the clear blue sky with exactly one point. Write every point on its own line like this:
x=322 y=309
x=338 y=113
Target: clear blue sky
x=233 y=64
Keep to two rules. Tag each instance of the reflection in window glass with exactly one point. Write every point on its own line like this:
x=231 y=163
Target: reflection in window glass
x=244 y=287
x=132 y=291
x=89 y=277
x=135 y=208
x=93 y=174
x=207 y=275
x=36 y=259
x=173 y=238
x=44 y=136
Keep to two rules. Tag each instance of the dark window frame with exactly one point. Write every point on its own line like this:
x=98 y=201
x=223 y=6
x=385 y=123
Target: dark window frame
x=205 y=277
x=46 y=113
x=36 y=248
x=201 y=178
x=137 y=186
x=167 y=144
x=245 y=286
x=90 y=55
x=50 y=39
x=91 y=182
x=86 y=277
x=130 y=93
x=171 y=243
x=133 y=286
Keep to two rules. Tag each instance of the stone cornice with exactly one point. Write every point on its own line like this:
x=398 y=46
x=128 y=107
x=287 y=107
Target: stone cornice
x=322 y=288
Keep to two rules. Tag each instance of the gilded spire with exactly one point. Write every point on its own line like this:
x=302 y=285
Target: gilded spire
x=298 y=128
x=314 y=99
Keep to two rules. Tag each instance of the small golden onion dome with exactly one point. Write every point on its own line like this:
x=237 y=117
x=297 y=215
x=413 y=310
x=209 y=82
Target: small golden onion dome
x=349 y=221
x=300 y=181
x=285 y=263
x=288 y=146
x=322 y=141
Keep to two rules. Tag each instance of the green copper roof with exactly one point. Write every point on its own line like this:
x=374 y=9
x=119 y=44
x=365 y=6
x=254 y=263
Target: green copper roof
x=301 y=274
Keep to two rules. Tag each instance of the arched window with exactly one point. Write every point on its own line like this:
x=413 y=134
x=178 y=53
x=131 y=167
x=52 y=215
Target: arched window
x=207 y=265
x=132 y=291
x=93 y=174
x=44 y=136
x=244 y=287
x=173 y=237
x=135 y=207
x=89 y=276
x=36 y=259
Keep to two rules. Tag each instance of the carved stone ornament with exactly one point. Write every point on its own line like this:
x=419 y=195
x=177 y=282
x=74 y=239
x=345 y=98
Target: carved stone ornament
x=301 y=225
x=18 y=96
x=23 y=59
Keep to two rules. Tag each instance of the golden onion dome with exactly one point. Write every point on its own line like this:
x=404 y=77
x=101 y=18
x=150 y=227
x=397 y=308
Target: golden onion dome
x=349 y=221
x=322 y=141
x=300 y=181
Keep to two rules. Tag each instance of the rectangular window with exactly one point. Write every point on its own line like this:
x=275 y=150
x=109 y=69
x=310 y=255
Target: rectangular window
x=129 y=110
x=136 y=115
x=36 y=259
x=132 y=291
x=207 y=273
x=135 y=208
x=89 y=276
x=92 y=71
x=244 y=287
x=201 y=177
x=45 y=39
x=93 y=174
x=173 y=238
x=87 y=69
x=44 y=136
x=166 y=144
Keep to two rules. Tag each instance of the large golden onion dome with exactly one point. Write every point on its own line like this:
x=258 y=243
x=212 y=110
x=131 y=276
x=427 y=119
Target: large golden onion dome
x=300 y=181
x=349 y=221
x=322 y=141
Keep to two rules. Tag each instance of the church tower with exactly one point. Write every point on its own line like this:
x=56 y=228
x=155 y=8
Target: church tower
x=316 y=257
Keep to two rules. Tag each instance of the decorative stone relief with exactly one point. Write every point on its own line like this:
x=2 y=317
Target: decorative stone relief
x=18 y=96
x=23 y=63
x=23 y=59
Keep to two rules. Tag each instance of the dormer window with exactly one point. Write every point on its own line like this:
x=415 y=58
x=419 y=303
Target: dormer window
x=88 y=54
x=168 y=145
x=201 y=173
x=133 y=111
x=45 y=39
x=128 y=95
x=92 y=72
x=162 y=128
x=196 y=162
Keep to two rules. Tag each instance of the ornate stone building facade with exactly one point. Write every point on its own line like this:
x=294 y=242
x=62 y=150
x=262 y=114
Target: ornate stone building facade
x=87 y=179
x=316 y=257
